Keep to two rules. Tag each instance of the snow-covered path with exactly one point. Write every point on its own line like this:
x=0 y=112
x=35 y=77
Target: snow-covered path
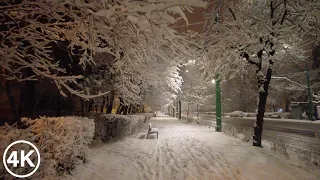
x=185 y=151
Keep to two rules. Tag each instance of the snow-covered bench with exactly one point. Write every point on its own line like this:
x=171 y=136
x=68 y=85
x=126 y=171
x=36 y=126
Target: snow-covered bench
x=152 y=130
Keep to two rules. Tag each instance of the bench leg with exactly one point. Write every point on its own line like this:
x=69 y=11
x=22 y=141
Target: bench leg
x=147 y=136
x=157 y=135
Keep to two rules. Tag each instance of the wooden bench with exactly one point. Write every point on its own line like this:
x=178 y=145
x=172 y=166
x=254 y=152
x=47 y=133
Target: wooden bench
x=152 y=130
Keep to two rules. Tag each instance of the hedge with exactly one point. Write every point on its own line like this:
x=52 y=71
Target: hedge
x=63 y=143
x=113 y=126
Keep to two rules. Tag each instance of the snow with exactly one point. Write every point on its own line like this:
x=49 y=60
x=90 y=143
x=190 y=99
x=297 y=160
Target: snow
x=187 y=151
x=288 y=120
x=136 y=39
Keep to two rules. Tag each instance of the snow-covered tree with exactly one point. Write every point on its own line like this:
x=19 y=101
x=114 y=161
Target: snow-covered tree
x=258 y=32
x=137 y=34
x=195 y=85
x=239 y=93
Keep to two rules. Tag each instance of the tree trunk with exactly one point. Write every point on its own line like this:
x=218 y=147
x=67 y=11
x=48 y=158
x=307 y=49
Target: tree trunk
x=29 y=99
x=241 y=95
x=133 y=109
x=82 y=107
x=102 y=106
x=110 y=102
x=119 y=109
x=89 y=107
x=258 y=126
x=129 y=109
x=125 y=110
x=173 y=111
x=179 y=102
x=21 y=105
x=14 y=110
x=121 y=106
x=287 y=105
x=58 y=110
x=263 y=85
x=106 y=104
x=198 y=111
x=188 y=111
x=37 y=105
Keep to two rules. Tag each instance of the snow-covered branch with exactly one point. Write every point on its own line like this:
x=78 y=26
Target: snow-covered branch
x=135 y=33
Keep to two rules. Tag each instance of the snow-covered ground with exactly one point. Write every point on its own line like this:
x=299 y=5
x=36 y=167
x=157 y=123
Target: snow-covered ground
x=187 y=151
x=288 y=120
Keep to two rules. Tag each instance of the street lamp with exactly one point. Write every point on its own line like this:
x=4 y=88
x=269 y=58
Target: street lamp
x=213 y=81
x=218 y=102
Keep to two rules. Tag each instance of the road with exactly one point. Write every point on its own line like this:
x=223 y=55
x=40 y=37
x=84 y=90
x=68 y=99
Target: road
x=299 y=135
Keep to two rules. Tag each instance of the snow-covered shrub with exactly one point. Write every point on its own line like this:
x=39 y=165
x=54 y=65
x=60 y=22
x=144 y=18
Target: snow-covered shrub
x=147 y=115
x=270 y=114
x=136 y=122
x=240 y=136
x=309 y=155
x=247 y=134
x=209 y=123
x=226 y=130
x=189 y=119
x=232 y=131
x=237 y=114
x=251 y=114
x=114 y=126
x=281 y=145
x=285 y=115
x=62 y=143
x=226 y=114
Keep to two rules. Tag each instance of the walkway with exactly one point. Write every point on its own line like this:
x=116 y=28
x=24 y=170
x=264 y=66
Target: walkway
x=184 y=152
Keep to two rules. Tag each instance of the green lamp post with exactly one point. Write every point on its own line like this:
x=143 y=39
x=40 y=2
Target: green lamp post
x=218 y=103
x=310 y=114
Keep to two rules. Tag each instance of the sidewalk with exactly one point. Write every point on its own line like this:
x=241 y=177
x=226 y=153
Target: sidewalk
x=187 y=151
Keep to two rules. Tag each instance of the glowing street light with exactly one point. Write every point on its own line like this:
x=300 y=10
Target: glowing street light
x=213 y=81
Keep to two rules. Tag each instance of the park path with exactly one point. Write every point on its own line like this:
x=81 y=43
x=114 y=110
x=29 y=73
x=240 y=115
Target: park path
x=183 y=152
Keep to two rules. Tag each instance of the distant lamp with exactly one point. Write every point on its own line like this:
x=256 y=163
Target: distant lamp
x=187 y=70
x=213 y=81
